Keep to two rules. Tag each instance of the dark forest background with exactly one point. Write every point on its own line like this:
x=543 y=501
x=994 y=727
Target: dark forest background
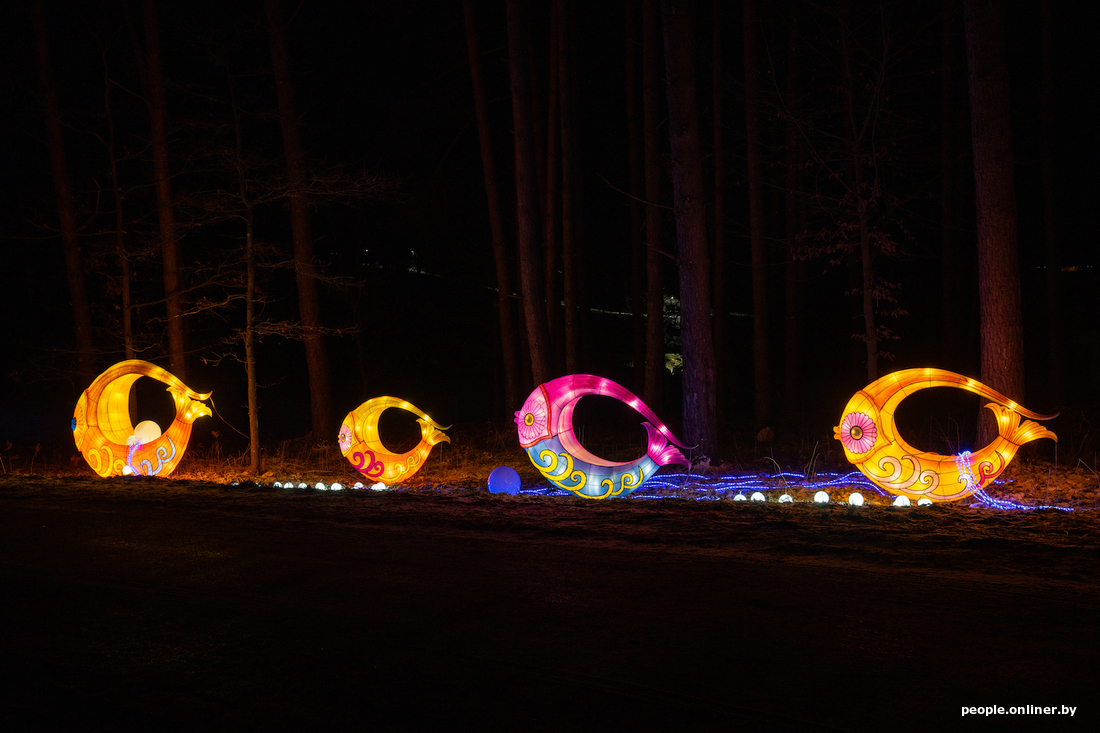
x=792 y=184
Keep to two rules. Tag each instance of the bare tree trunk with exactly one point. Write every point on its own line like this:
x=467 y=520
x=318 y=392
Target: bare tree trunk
x=949 y=259
x=496 y=221
x=82 y=319
x=527 y=208
x=308 y=302
x=169 y=246
x=654 y=165
x=1050 y=210
x=120 y=223
x=794 y=225
x=718 y=268
x=635 y=239
x=254 y=465
x=700 y=420
x=570 y=183
x=552 y=210
x=865 y=253
x=998 y=263
x=755 y=165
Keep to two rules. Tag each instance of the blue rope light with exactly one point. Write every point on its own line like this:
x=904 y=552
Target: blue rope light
x=966 y=473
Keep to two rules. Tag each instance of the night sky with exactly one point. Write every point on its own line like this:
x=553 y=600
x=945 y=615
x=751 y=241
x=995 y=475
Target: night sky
x=384 y=88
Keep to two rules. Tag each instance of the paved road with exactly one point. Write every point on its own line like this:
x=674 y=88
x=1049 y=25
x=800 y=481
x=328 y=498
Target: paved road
x=153 y=617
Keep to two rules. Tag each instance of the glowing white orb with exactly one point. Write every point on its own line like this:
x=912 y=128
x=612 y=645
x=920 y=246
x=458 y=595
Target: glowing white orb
x=739 y=497
x=924 y=501
x=822 y=497
x=303 y=486
x=856 y=499
x=278 y=485
x=336 y=487
x=786 y=498
x=379 y=487
x=757 y=496
x=901 y=501
x=127 y=471
x=146 y=432
x=320 y=486
x=358 y=485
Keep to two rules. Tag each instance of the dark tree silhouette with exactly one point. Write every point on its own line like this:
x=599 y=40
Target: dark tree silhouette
x=636 y=235
x=74 y=270
x=794 y=227
x=1051 y=234
x=527 y=206
x=700 y=421
x=571 y=226
x=169 y=243
x=496 y=219
x=308 y=303
x=718 y=263
x=654 y=168
x=755 y=174
x=998 y=263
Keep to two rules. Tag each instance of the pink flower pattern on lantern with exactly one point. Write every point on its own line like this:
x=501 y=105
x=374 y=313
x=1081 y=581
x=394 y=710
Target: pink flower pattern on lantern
x=858 y=432
x=531 y=420
x=344 y=438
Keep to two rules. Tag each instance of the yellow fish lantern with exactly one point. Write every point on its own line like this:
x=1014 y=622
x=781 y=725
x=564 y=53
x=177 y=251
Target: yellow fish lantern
x=362 y=446
x=111 y=444
x=871 y=441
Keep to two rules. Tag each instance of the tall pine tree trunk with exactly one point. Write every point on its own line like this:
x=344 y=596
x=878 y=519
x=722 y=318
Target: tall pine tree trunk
x=866 y=254
x=700 y=420
x=496 y=220
x=1002 y=342
x=527 y=205
x=169 y=245
x=652 y=117
x=794 y=224
x=755 y=164
x=309 y=306
x=949 y=260
x=120 y=219
x=74 y=270
x=552 y=209
x=635 y=238
x=570 y=183
x=1050 y=210
x=718 y=269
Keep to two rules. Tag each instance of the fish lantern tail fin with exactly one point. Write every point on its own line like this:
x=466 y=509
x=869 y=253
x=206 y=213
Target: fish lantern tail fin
x=659 y=449
x=188 y=409
x=1016 y=432
x=432 y=432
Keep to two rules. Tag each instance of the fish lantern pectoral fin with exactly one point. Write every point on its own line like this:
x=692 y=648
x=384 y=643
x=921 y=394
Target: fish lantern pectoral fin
x=871 y=442
x=544 y=427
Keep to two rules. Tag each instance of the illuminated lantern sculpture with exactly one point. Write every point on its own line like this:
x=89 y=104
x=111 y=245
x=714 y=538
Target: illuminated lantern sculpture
x=111 y=444
x=545 y=424
x=361 y=445
x=872 y=444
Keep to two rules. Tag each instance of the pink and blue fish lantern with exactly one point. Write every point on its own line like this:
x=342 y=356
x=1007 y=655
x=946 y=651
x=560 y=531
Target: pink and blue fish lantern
x=545 y=425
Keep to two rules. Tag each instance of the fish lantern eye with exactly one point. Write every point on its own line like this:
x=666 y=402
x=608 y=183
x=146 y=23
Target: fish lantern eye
x=529 y=419
x=858 y=432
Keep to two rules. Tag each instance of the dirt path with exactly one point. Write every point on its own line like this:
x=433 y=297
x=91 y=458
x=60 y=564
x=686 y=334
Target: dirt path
x=228 y=610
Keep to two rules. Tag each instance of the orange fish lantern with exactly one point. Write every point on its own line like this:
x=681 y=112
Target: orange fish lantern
x=871 y=442
x=111 y=445
x=362 y=446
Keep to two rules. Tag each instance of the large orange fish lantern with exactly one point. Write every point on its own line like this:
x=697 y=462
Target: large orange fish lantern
x=872 y=444
x=109 y=441
x=361 y=445
x=545 y=427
